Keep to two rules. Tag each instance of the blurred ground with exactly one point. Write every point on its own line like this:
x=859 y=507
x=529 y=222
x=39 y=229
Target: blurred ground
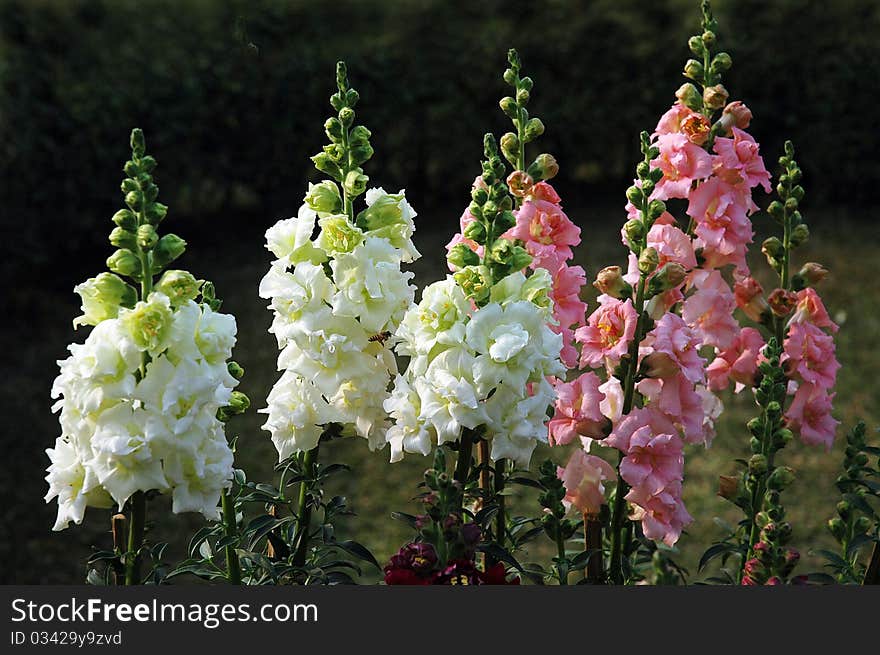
x=235 y=260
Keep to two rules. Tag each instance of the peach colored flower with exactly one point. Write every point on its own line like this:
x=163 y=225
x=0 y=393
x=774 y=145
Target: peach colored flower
x=583 y=477
x=749 y=297
x=663 y=515
x=722 y=228
x=577 y=410
x=739 y=362
x=653 y=460
x=709 y=311
x=811 y=309
x=739 y=162
x=608 y=332
x=672 y=245
x=808 y=355
x=682 y=162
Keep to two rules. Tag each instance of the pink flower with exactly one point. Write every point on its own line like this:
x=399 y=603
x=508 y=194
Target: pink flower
x=670 y=122
x=568 y=354
x=608 y=332
x=577 y=410
x=722 y=226
x=811 y=309
x=679 y=401
x=547 y=232
x=663 y=515
x=653 y=460
x=810 y=414
x=638 y=418
x=568 y=308
x=672 y=245
x=682 y=162
x=673 y=338
x=738 y=161
x=583 y=477
x=543 y=191
x=749 y=296
x=739 y=361
x=612 y=406
x=709 y=311
x=680 y=118
x=809 y=355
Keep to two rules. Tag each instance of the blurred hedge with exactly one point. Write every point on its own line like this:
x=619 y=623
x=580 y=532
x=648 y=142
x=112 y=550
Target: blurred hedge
x=232 y=96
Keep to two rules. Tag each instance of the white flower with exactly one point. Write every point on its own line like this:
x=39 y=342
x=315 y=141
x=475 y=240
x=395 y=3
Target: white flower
x=123 y=460
x=439 y=318
x=517 y=420
x=513 y=345
x=290 y=239
x=371 y=286
x=449 y=398
x=199 y=474
x=409 y=433
x=306 y=289
x=391 y=217
x=200 y=332
x=149 y=323
x=69 y=482
x=297 y=413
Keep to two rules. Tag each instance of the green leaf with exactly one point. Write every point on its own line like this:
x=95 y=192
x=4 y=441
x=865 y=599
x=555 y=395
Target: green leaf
x=409 y=519
x=714 y=551
x=359 y=551
x=526 y=482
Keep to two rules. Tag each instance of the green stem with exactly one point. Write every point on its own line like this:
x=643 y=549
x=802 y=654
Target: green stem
x=619 y=509
x=562 y=563
x=230 y=529
x=501 y=517
x=463 y=464
x=136 y=522
x=304 y=508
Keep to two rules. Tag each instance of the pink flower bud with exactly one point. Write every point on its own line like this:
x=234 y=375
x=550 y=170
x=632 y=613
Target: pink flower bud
x=813 y=273
x=738 y=114
x=714 y=97
x=519 y=183
x=610 y=282
x=782 y=302
x=749 y=298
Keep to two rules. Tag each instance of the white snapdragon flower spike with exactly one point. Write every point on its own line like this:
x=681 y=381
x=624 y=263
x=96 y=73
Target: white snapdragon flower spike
x=476 y=368
x=122 y=432
x=334 y=317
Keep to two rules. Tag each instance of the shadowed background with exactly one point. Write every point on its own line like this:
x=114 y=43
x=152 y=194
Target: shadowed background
x=232 y=97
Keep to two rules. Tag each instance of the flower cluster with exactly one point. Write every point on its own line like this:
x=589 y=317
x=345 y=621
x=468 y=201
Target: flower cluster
x=479 y=342
x=142 y=400
x=337 y=298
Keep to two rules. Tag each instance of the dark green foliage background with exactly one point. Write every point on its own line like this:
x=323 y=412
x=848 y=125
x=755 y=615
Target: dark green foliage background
x=232 y=97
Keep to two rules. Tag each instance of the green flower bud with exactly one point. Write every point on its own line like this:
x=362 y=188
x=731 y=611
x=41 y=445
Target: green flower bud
x=102 y=296
x=635 y=195
x=696 y=46
x=361 y=154
x=689 y=96
x=325 y=163
x=169 y=248
x=844 y=509
x=238 y=404
x=460 y=256
x=656 y=209
x=799 y=235
x=235 y=370
x=125 y=219
x=475 y=282
x=359 y=135
x=534 y=128
x=122 y=238
x=708 y=38
x=543 y=168
x=781 y=478
x=757 y=464
x=179 y=286
x=773 y=247
x=135 y=200
x=693 y=70
x=346 y=116
x=508 y=106
x=147 y=237
x=386 y=211
x=510 y=147
x=648 y=261
x=476 y=232
x=504 y=221
x=324 y=198
x=355 y=183
x=634 y=230
x=124 y=262
x=862 y=525
x=131 y=169
x=333 y=129
x=668 y=277
x=138 y=146
x=522 y=96
x=338 y=235
x=722 y=62
x=155 y=212
x=837 y=528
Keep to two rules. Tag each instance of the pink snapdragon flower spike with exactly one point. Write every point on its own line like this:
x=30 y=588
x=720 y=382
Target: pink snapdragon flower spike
x=577 y=410
x=675 y=341
x=583 y=477
x=568 y=308
x=608 y=332
x=672 y=245
x=738 y=161
x=709 y=311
